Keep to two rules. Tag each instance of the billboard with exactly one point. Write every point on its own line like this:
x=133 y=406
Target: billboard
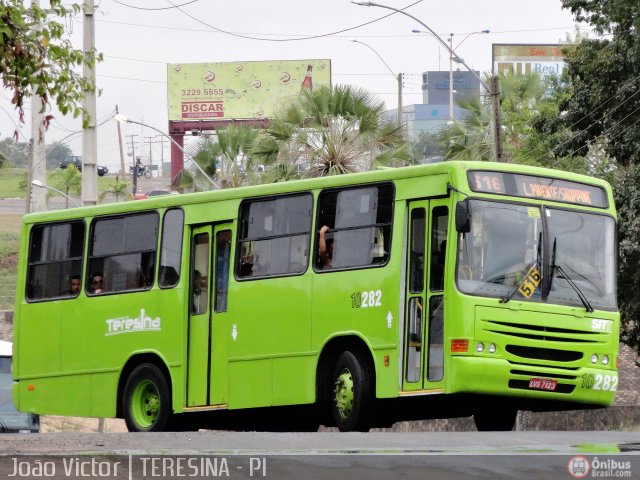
x=543 y=59
x=239 y=90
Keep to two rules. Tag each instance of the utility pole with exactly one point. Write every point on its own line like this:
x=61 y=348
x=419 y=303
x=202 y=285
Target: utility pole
x=400 y=100
x=122 y=170
x=149 y=140
x=162 y=139
x=135 y=164
x=89 y=134
x=37 y=197
x=497 y=120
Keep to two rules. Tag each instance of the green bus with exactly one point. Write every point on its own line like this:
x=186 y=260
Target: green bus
x=460 y=288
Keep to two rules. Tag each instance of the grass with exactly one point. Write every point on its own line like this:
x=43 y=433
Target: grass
x=9 y=246
x=9 y=180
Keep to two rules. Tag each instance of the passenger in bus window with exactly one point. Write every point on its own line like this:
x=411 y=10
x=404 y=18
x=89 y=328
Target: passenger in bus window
x=325 y=249
x=74 y=288
x=96 y=283
x=199 y=293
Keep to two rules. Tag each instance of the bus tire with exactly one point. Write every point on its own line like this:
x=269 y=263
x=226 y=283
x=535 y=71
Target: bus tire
x=146 y=399
x=502 y=419
x=351 y=395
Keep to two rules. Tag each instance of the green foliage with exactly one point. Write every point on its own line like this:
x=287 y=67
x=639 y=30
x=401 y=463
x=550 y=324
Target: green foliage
x=627 y=197
x=118 y=189
x=15 y=153
x=471 y=138
x=228 y=159
x=35 y=53
x=330 y=131
x=55 y=153
x=427 y=145
x=68 y=181
x=604 y=75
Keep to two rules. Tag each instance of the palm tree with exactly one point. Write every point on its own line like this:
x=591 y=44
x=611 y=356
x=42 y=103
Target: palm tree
x=471 y=138
x=117 y=189
x=67 y=180
x=228 y=159
x=331 y=131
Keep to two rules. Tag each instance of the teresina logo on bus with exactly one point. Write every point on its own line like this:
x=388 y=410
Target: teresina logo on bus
x=142 y=323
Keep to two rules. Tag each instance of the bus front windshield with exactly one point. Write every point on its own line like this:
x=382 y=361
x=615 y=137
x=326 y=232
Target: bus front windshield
x=504 y=255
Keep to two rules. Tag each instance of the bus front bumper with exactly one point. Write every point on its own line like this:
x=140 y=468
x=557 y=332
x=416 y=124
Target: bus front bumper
x=495 y=376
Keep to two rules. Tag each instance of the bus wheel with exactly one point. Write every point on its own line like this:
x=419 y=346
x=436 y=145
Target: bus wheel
x=147 y=402
x=351 y=395
x=501 y=419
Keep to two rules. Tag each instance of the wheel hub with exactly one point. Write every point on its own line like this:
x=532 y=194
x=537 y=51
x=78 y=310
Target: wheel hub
x=343 y=393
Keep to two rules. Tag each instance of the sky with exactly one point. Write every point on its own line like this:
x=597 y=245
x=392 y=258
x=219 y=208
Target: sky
x=138 y=38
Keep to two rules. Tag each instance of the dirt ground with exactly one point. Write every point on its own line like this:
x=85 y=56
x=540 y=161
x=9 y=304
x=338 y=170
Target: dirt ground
x=50 y=423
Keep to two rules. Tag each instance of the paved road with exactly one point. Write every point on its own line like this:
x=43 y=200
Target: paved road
x=310 y=456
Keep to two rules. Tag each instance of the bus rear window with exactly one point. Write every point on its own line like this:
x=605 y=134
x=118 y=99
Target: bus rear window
x=55 y=258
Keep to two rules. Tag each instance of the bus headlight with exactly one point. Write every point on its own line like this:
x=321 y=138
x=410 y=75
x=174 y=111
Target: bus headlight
x=605 y=360
x=492 y=348
x=594 y=358
x=479 y=347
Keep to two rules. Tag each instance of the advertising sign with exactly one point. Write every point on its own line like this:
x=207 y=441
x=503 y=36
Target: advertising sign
x=527 y=58
x=239 y=90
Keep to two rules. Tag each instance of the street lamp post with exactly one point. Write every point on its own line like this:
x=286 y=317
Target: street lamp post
x=38 y=183
x=398 y=77
x=123 y=119
x=492 y=89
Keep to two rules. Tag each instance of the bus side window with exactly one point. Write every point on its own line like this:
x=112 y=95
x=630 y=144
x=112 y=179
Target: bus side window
x=123 y=249
x=55 y=258
x=171 y=249
x=273 y=238
x=359 y=220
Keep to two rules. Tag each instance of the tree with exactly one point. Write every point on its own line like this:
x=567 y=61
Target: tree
x=15 y=153
x=604 y=105
x=56 y=153
x=471 y=138
x=228 y=159
x=68 y=181
x=331 y=131
x=117 y=189
x=35 y=54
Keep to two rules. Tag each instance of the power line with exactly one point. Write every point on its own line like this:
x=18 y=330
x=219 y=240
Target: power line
x=152 y=9
x=311 y=37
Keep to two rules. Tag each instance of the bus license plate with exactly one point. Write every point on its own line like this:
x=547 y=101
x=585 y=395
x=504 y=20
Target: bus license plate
x=543 y=384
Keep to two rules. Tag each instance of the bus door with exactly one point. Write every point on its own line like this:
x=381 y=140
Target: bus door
x=207 y=352
x=423 y=342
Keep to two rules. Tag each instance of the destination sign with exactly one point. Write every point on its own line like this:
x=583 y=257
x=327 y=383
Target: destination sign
x=544 y=188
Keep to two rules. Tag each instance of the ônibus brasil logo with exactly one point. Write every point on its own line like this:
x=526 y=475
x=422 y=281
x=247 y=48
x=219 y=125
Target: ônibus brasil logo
x=579 y=466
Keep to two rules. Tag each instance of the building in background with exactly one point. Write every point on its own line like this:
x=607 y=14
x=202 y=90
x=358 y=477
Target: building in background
x=434 y=113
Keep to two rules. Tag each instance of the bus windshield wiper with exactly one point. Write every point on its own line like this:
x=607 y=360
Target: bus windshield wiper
x=581 y=295
x=523 y=274
x=557 y=268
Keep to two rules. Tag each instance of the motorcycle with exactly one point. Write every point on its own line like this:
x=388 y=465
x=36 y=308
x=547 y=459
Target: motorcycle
x=142 y=170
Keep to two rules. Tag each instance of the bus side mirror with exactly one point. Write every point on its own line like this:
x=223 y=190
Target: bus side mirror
x=463 y=217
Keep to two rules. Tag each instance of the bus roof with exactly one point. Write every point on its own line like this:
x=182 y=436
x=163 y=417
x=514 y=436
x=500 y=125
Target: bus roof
x=452 y=168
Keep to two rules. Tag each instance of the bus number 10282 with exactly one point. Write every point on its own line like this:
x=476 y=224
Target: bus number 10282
x=366 y=299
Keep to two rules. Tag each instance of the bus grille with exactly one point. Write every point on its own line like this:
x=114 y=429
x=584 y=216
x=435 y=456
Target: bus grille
x=537 y=332
x=538 y=353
